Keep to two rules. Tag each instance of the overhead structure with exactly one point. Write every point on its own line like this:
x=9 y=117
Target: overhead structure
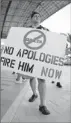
x=16 y=13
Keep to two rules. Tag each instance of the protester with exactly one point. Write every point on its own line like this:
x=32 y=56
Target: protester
x=58 y=84
x=2 y=47
x=18 y=78
x=35 y=21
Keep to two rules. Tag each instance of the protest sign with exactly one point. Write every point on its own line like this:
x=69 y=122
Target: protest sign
x=34 y=52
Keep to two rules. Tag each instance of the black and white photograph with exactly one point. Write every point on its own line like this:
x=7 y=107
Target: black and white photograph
x=35 y=59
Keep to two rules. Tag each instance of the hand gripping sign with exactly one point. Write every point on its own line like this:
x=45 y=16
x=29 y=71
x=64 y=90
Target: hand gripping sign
x=34 y=53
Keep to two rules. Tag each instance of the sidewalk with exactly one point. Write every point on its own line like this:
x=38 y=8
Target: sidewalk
x=9 y=90
x=58 y=102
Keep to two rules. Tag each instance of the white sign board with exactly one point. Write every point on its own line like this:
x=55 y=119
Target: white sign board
x=34 y=52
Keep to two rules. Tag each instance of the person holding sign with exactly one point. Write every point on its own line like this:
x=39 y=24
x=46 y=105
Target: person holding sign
x=35 y=20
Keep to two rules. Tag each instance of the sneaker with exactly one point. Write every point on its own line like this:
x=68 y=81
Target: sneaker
x=53 y=81
x=13 y=72
x=44 y=110
x=24 y=80
x=18 y=82
x=33 y=97
x=59 y=85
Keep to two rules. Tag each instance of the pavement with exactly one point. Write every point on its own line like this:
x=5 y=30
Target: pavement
x=9 y=90
x=17 y=109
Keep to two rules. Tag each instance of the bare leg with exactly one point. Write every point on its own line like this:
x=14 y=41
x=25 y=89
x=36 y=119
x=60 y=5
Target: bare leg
x=33 y=85
x=42 y=91
x=18 y=77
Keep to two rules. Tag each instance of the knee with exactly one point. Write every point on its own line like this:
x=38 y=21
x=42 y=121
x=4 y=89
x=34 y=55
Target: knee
x=32 y=79
x=41 y=80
